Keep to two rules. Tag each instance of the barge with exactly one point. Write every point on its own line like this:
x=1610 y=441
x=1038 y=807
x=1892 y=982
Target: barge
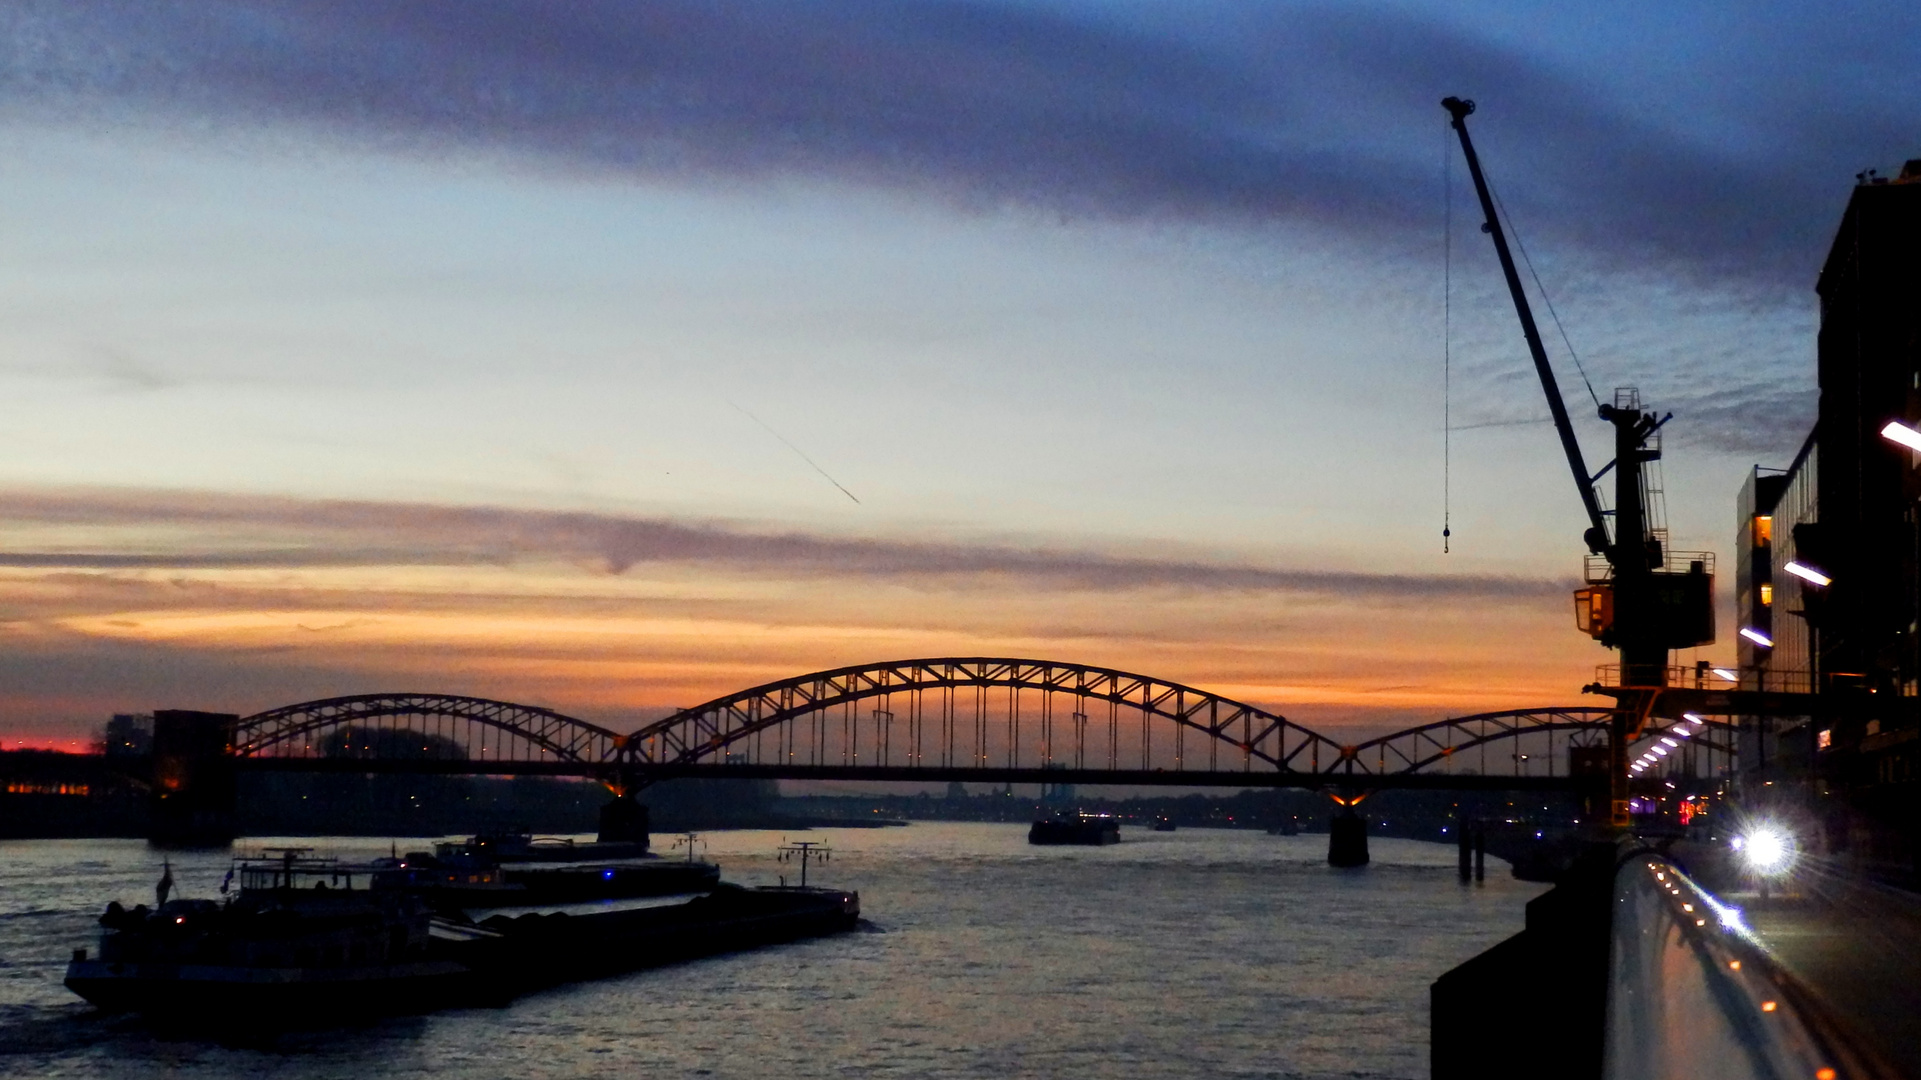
x=310 y=941
x=1085 y=829
x=495 y=870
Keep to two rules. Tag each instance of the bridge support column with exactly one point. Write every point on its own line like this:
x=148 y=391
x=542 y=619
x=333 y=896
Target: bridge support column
x=1346 y=837
x=1465 y=842
x=193 y=779
x=624 y=821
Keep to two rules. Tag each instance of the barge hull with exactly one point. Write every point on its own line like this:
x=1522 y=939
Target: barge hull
x=237 y=995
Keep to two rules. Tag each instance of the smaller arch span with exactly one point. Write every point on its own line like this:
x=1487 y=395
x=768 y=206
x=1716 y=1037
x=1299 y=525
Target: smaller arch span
x=518 y=732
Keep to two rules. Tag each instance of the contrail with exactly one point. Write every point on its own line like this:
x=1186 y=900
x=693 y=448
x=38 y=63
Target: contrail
x=797 y=450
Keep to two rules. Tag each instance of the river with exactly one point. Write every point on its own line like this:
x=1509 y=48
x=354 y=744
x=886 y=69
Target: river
x=1198 y=953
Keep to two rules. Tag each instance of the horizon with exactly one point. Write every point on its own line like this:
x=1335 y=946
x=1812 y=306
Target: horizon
x=623 y=358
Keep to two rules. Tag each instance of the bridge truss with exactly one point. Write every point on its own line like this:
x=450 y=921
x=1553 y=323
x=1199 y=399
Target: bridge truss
x=443 y=727
x=979 y=712
x=949 y=718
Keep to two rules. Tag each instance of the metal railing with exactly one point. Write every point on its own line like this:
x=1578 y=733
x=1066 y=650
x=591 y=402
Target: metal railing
x=1693 y=992
x=1596 y=569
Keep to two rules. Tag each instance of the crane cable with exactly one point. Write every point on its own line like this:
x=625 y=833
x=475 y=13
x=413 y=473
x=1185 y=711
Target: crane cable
x=1447 y=340
x=1542 y=289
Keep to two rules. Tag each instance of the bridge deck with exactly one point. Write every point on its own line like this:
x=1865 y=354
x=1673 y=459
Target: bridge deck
x=927 y=773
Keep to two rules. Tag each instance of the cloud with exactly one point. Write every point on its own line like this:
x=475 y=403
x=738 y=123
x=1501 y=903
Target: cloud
x=1218 y=112
x=264 y=532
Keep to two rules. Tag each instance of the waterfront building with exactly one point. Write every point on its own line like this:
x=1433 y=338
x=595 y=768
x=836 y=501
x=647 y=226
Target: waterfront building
x=1828 y=578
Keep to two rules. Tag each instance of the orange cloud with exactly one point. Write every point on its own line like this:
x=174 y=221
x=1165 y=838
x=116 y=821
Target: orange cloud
x=184 y=623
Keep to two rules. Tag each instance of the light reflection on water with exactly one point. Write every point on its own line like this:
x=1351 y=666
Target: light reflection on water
x=1193 y=953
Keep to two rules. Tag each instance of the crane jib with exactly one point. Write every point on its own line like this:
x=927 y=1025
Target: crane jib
x=1597 y=536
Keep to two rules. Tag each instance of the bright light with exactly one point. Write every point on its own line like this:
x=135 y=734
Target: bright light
x=1757 y=637
x=1726 y=674
x=1897 y=432
x=1808 y=573
x=1661 y=750
x=1693 y=718
x=1767 y=850
x=1668 y=742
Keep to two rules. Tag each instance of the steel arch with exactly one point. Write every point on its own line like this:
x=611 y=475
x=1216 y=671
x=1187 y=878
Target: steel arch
x=1416 y=748
x=710 y=729
x=550 y=732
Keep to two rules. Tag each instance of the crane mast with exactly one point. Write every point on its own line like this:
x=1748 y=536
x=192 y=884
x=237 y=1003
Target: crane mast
x=1597 y=535
x=1638 y=604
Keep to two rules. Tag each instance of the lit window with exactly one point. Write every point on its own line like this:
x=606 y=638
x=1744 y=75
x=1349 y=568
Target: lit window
x=1824 y=739
x=1767 y=594
x=1763 y=530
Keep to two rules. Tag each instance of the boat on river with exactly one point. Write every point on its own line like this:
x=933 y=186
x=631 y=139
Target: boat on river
x=302 y=937
x=500 y=869
x=1091 y=830
x=309 y=940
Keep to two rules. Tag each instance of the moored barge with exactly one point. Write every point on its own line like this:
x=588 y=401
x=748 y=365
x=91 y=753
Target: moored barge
x=308 y=940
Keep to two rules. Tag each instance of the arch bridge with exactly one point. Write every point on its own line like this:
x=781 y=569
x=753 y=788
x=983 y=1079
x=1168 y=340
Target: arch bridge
x=970 y=719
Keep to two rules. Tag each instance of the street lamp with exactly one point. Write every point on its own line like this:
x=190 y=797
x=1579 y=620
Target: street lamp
x=1898 y=432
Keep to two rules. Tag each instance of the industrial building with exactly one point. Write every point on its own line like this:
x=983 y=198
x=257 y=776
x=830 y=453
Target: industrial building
x=1828 y=567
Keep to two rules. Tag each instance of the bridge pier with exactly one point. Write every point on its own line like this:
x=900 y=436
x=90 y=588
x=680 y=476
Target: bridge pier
x=193 y=779
x=1346 y=837
x=623 y=820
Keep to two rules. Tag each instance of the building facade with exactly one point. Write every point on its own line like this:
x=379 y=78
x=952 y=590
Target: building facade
x=1828 y=582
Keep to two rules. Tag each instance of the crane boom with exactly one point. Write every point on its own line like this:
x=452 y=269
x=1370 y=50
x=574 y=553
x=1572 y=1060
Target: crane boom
x=1597 y=534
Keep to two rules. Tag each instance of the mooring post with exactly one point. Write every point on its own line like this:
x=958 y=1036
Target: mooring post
x=1480 y=853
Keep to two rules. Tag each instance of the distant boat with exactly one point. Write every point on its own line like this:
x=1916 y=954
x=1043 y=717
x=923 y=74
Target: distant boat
x=1163 y=824
x=1290 y=827
x=1084 y=829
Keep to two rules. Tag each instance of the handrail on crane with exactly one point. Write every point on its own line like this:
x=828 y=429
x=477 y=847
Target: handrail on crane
x=1597 y=534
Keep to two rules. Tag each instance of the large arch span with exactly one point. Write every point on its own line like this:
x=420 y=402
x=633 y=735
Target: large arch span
x=978 y=712
x=971 y=718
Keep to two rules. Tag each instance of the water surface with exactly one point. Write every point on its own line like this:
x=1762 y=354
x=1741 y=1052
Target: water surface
x=1194 y=953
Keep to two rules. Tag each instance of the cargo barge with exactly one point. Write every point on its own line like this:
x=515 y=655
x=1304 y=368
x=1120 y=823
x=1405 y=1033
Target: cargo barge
x=495 y=870
x=1086 y=830
x=309 y=941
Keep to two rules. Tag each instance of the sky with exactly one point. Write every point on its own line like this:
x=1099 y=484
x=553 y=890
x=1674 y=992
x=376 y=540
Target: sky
x=615 y=356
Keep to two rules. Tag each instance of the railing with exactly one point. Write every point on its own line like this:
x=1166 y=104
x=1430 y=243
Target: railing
x=1770 y=680
x=1691 y=678
x=1692 y=992
x=1596 y=569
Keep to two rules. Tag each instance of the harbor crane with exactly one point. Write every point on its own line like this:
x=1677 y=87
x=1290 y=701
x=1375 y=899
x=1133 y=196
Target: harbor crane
x=1640 y=598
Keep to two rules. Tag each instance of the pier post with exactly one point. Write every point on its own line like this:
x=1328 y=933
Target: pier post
x=1346 y=838
x=1466 y=846
x=1480 y=852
